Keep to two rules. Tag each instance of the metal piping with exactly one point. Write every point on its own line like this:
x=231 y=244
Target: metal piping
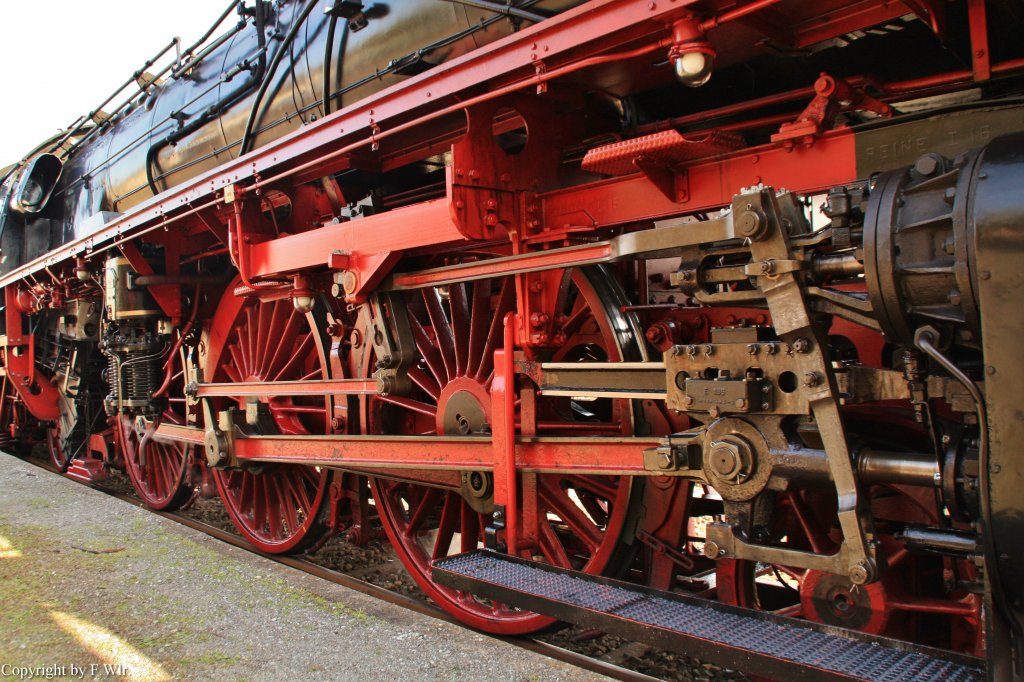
x=257 y=103
x=328 y=56
x=925 y=338
x=507 y=10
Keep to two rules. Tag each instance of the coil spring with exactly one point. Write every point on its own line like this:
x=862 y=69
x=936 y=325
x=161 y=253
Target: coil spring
x=112 y=378
x=141 y=379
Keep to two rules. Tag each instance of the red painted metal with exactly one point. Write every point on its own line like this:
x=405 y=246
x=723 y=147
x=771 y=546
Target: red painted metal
x=318 y=387
x=426 y=224
x=167 y=296
x=466 y=342
x=980 y=60
x=503 y=410
x=36 y=391
x=631 y=199
x=832 y=96
x=490 y=274
x=160 y=472
x=279 y=508
x=667 y=147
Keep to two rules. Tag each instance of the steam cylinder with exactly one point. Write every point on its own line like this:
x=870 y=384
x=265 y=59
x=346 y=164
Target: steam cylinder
x=920 y=240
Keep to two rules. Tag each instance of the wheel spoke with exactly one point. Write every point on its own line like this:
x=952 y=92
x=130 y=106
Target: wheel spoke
x=442 y=331
x=552 y=547
x=460 y=326
x=284 y=326
x=410 y=404
x=506 y=302
x=422 y=512
x=480 y=317
x=812 y=531
x=602 y=486
x=570 y=514
x=451 y=514
x=429 y=352
x=470 y=529
x=264 y=315
x=426 y=382
x=239 y=370
x=254 y=341
x=296 y=360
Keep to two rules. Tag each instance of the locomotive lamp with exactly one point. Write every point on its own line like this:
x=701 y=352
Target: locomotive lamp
x=303 y=297
x=691 y=54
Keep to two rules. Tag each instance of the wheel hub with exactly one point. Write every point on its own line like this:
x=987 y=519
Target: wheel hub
x=463 y=408
x=834 y=600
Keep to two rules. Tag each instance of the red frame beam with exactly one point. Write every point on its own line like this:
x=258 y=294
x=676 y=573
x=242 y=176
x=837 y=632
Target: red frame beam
x=617 y=456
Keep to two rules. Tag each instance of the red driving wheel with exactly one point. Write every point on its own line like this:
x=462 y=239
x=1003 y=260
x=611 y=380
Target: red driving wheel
x=456 y=330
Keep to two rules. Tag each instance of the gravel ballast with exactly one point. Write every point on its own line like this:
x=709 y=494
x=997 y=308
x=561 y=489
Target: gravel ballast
x=87 y=580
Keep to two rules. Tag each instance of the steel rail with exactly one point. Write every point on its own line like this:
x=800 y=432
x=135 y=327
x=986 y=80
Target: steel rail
x=351 y=582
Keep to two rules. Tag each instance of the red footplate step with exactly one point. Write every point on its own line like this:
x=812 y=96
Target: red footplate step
x=783 y=648
x=667 y=147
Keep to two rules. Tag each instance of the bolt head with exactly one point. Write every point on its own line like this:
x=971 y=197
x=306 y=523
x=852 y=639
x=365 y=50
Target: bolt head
x=750 y=224
x=858 y=574
x=711 y=549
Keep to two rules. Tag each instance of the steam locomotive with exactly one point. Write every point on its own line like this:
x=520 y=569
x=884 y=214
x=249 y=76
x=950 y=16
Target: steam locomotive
x=691 y=320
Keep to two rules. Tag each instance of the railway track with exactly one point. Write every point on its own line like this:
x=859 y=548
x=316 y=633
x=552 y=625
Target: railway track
x=392 y=596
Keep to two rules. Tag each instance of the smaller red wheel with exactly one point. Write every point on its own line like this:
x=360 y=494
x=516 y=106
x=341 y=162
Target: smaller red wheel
x=161 y=473
x=279 y=508
x=55 y=446
x=916 y=600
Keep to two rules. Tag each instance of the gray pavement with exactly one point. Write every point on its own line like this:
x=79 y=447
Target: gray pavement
x=92 y=587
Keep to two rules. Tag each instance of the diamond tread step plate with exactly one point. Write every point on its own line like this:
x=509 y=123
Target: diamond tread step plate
x=783 y=648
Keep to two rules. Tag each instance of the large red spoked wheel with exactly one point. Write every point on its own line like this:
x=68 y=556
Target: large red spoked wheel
x=917 y=599
x=279 y=508
x=456 y=330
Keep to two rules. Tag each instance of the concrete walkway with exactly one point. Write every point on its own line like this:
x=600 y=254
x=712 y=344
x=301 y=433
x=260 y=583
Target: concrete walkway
x=92 y=587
